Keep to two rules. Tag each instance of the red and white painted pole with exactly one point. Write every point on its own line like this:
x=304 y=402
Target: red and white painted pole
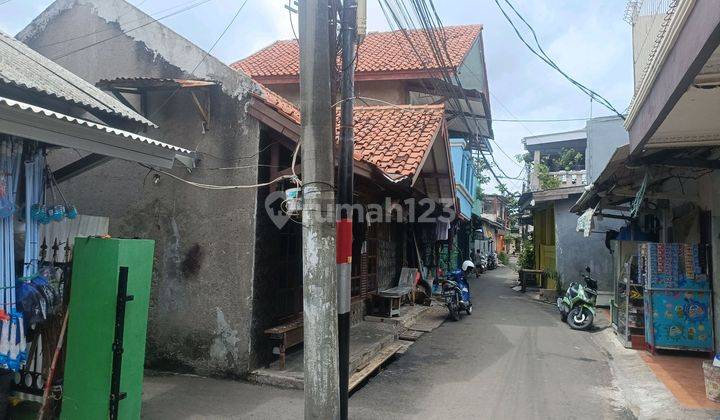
x=348 y=31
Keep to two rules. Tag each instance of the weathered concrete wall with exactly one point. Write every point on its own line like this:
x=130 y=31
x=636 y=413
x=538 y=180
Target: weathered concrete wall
x=574 y=251
x=644 y=34
x=201 y=300
x=604 y=136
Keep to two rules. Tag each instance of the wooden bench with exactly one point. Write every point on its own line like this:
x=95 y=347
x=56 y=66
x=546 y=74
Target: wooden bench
x=286 y=336
x=391 y=299
x=523 y=274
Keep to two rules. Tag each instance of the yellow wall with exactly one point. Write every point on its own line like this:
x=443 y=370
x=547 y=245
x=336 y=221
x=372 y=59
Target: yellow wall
x=544 y=240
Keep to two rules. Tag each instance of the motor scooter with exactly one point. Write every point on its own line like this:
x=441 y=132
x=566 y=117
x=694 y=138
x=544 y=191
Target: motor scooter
x=492 y=261
x=456 y=291
x=577 y=306
x=480 y=262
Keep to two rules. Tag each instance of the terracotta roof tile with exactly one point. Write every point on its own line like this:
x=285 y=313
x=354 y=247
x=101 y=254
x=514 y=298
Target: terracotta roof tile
x=280 y=104
x=379 y=52
x=395 y=139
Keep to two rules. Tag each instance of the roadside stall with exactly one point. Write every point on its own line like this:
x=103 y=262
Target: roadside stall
x=678 y=297
x=57 y=343
x=627 y=306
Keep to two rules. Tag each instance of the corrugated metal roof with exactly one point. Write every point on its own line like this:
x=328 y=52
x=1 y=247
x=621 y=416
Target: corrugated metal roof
x=128 y=136
x=21 y=66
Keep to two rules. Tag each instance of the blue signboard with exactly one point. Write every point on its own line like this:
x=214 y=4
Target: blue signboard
x=678 y=299
x=681 y=320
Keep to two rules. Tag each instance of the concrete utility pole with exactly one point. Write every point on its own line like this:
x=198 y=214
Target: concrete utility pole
x=319 y=278
x=348 y=33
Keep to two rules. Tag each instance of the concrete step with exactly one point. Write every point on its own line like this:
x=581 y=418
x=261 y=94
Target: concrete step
x=367 y=341
x=408 y=315
x=278 y=378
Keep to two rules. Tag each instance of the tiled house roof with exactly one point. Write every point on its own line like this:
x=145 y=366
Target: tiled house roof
x=395 y=139
x=380 y=52
x=280 y=104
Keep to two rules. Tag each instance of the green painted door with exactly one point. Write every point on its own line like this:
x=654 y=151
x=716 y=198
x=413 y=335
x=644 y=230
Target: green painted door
x=92 y=327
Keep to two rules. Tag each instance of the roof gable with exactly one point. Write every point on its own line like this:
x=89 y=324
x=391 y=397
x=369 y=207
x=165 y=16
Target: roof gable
x=380 y=52
x=192 y=61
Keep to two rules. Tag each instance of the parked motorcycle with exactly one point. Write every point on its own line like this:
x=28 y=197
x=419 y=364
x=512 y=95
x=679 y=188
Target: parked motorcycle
x=456 y=291
x=492 y=261
x=480 y=262
x=577 y=306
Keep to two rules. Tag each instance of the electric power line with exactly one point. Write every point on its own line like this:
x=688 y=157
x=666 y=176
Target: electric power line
x=100 y=31
x=459 y=84
x=207 y=53
x=540 y=53
x=431 y=26
x=94 y=44
x=539 y=120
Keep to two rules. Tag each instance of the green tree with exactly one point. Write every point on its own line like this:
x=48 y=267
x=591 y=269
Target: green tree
x=547 y=181
x=480 y=174
x=568 y=159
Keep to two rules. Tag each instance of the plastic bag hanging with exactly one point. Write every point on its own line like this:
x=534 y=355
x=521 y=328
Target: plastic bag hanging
x=13 y=344
x=35 y=211
x=56 y=211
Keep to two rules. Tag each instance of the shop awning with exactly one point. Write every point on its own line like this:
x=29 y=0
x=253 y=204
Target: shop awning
x=40 y=124
x=625 y=175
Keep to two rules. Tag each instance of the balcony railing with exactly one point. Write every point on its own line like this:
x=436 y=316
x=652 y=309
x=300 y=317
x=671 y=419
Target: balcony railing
x=570 y=178
x=565 y=179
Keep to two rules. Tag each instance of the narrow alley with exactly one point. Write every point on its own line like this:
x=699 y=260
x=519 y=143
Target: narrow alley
x=353 y=209
x=512 y=358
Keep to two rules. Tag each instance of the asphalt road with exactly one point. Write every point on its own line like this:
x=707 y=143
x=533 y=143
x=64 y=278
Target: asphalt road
x=512 y=358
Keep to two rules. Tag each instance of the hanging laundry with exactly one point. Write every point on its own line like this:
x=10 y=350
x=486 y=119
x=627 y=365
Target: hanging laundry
x=441 y=229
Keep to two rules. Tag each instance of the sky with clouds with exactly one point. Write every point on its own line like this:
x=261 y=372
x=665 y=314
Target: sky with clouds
x=588 y=39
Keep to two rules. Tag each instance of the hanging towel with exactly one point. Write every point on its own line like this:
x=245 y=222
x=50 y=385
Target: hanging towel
x=441 y=229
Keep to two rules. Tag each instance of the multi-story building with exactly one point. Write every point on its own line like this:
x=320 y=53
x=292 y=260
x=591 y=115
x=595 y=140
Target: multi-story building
x=495 y=220
x=397 y=69
x=562 y=166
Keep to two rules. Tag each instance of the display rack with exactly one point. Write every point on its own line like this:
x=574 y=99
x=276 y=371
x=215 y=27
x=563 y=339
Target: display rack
x=678 y=296
x=629 y=320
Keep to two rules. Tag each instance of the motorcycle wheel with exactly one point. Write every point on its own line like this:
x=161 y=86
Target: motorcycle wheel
x=469 y=310
x=454 y=312
x=580 y=318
